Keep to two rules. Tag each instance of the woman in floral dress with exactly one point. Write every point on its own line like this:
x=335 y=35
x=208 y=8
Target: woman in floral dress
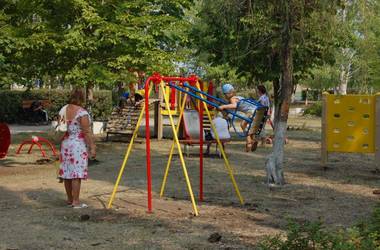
x=74 y=148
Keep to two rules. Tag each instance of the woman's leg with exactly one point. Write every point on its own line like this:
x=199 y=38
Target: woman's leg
x=69 y=188
x=76 y=191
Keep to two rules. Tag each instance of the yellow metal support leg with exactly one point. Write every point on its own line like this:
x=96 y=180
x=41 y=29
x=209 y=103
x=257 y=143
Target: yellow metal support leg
x=227 y=163
x=195 y=209
x=127 y=155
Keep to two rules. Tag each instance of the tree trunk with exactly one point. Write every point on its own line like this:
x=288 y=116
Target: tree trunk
x=343 y=81
x=347 y=58
x=282 y=97
x=89 y=93
x=306 y=100
x=90 y=98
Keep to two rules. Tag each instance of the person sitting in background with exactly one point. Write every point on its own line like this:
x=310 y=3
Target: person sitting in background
x=128 y=98
x=132 y=98
x=38 y=113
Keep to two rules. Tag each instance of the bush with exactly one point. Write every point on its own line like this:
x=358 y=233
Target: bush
x=312 y=95
x=102 y=106
x=11 y=103
x=312 y=235
x=315 y=109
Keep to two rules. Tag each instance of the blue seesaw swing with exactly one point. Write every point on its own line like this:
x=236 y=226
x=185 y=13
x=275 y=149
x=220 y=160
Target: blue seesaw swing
x=257 y=120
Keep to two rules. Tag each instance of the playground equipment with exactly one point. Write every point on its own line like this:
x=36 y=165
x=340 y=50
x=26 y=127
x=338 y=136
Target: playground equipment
x=191 y=127
x=36 y=140
x=189 y=86
x=123 y=120
x=257 y=120
x=5 y=139
x=350 y=124
x=175 y=97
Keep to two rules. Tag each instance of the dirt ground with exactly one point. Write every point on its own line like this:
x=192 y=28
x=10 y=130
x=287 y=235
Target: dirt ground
x=33 y=214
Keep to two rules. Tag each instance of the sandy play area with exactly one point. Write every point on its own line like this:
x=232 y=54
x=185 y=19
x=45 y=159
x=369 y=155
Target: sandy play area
x=33 y=214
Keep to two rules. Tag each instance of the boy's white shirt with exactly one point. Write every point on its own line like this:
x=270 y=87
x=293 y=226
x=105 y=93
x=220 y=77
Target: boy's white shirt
x=221 y=126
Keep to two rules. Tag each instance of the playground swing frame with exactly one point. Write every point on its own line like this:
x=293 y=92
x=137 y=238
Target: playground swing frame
x=234 y=114
x=156 y=79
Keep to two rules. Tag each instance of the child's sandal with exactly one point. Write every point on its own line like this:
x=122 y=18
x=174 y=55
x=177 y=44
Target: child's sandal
x=254 y=146
x=248 y=147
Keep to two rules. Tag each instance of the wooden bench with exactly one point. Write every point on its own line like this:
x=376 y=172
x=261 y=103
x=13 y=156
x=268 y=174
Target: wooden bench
x=34 y=117
x=27 y=103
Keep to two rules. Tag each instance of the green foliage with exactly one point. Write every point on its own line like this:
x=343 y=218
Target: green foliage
x=298 y=237
x=247 y=36
x=11 y=103
x=315 y=109
x=102 y=106
x=311 y=94
x=313 y=236
x=366 y=25
x=323 y=77
x=357 y=60
x=89 y=41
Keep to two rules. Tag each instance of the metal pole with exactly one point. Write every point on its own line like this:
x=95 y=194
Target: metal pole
x=201 y=148
x=127 y=155
x=147 y=146
x=195 y=209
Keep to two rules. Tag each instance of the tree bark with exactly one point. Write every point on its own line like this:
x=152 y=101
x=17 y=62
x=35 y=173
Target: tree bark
x=343 y=81
x=90 y=98
x=347 y=58
x=89 y=93
x=282 y=98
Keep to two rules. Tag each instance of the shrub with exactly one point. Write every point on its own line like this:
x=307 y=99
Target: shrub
x=315 y=109
x=11 y=103
x=102 y=106
x=312 y=235
x=312 y=94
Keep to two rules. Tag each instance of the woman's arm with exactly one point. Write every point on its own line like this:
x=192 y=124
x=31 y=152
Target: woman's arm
x=88 y=137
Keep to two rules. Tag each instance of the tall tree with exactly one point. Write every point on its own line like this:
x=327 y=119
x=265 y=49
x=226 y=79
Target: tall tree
x=357 y=59
x=96 y=42
x=278 y=41
x=365 y=70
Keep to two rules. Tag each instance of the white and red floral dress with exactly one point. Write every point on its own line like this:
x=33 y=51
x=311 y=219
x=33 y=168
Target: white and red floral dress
x=74 y=155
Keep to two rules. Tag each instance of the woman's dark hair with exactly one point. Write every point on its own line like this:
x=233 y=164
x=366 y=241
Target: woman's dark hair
x=77 y=97
x=262 y=89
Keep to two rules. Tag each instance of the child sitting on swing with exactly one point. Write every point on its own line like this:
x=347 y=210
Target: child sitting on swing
x=248 y=109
